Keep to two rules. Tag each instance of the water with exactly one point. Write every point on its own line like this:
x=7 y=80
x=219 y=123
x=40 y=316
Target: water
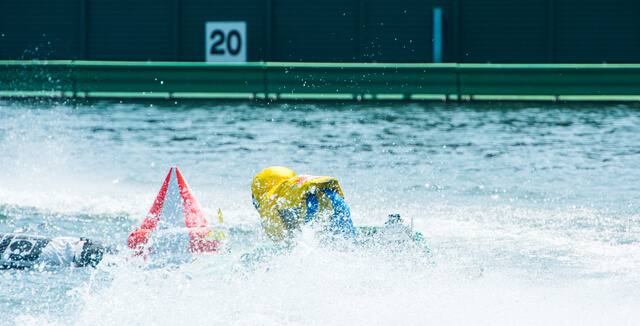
x=531 y=211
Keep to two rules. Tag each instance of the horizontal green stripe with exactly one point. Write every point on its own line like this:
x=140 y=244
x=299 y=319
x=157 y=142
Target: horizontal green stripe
x=319 y=81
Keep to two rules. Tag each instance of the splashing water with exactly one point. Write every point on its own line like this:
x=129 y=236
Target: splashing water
x=530 y=211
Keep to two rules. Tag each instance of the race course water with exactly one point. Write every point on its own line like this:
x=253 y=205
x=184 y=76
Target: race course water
x=531 y=211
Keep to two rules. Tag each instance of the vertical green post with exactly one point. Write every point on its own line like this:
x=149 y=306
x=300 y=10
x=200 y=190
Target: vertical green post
x=437 y=35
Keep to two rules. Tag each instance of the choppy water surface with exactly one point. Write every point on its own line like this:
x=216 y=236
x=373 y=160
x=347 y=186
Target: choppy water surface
x=531 y=210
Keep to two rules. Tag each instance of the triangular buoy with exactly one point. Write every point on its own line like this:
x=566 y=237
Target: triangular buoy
x=175 y=205
x=175 y=210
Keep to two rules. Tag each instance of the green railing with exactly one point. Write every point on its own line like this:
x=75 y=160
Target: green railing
x=94 y=79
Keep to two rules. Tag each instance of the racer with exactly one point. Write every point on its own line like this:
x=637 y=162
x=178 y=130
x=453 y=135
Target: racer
x=286 y=201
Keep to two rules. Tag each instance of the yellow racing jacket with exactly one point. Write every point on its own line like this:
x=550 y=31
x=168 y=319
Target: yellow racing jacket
x=301 y=200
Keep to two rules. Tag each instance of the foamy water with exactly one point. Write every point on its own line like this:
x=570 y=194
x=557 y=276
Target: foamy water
x=530 y=211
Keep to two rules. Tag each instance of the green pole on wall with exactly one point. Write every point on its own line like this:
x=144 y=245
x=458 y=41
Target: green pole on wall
x=437 y=35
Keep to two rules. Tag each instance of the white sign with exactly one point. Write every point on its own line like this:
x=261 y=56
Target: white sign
x=225 y=41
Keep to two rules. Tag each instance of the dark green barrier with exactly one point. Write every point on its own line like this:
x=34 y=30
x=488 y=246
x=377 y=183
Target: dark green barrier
x=168 y=77
x=547 y=79
x=360 y=79
x=36 y=76
x=319 y=80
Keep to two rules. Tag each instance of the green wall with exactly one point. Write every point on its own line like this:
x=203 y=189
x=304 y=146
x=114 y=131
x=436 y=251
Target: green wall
x=349 y=81
x=399 y=31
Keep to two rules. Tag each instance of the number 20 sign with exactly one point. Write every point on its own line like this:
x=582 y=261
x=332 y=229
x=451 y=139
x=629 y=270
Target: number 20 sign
x=225 y=41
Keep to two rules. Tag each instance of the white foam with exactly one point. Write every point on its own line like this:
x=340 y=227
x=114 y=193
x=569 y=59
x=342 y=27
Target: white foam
x=317 y=286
